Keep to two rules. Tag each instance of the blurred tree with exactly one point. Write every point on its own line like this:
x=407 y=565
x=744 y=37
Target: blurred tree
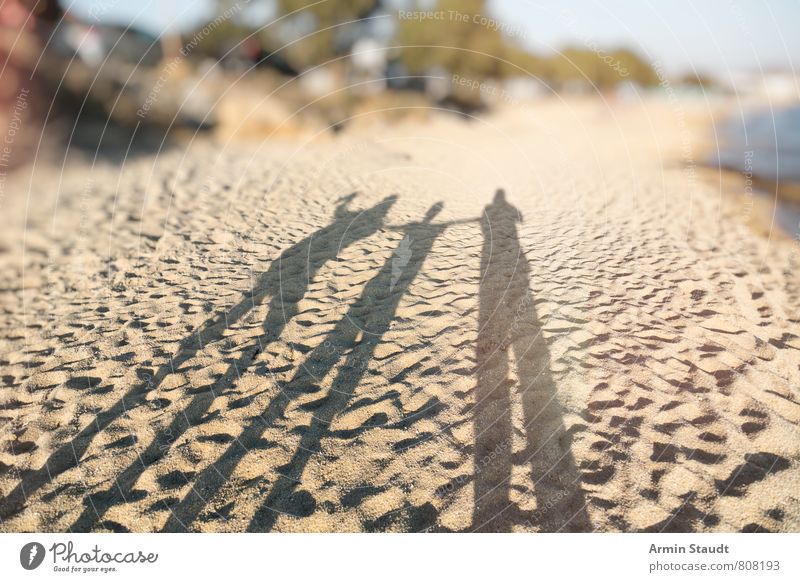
x=491 y=54
x=442 y=42
x=640 y=71
x=603 y=69
x=327 y=40
x=459 y=42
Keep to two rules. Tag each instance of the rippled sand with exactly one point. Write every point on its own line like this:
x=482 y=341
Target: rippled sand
x=544 y=320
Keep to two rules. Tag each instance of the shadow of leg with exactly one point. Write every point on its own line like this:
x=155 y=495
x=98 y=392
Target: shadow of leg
x=369 y=316
x=286 y=282
x=508 y=322
x=492 y=412
x=560 y=502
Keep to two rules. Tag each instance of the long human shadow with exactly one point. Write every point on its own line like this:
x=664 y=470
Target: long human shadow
x=285 y=283
x=508 y=324
x=353 y=339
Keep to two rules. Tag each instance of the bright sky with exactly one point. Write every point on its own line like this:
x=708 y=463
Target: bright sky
x=153 y=16
x=710 y=35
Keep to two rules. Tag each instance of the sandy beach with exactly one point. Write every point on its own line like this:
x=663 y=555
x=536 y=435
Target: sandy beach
x=547 y=319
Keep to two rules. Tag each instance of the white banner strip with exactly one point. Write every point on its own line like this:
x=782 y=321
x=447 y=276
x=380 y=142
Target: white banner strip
x=388 y=557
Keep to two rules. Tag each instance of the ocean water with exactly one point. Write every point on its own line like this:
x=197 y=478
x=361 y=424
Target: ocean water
x=764 y=145
x=763 y=141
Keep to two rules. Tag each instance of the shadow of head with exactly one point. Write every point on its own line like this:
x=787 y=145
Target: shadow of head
x=382 y=207
x=347 y=199
x=433 y=211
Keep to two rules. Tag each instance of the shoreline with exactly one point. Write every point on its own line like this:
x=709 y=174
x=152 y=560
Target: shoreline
x=771 y=207
x=752 y=135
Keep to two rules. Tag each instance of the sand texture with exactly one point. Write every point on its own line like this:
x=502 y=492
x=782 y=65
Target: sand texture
x=543 y=320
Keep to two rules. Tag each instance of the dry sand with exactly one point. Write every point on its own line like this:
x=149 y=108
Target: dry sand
x=361 y=333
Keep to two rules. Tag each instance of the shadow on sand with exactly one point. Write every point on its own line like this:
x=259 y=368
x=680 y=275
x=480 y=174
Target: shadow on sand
x=508 y=324
x=352 y=341
x=284 y=283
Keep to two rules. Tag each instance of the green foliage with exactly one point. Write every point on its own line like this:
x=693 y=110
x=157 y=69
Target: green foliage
x=460 y=46
x=456 y=41
x=320 y=47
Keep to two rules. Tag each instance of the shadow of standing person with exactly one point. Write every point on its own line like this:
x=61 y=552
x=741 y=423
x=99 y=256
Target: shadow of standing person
x=285 y=283
x=508 y=323
x=352 y=341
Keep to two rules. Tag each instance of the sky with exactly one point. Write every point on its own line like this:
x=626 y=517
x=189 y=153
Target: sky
x=704 y=35
x=152 y=16
x=707 y=36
